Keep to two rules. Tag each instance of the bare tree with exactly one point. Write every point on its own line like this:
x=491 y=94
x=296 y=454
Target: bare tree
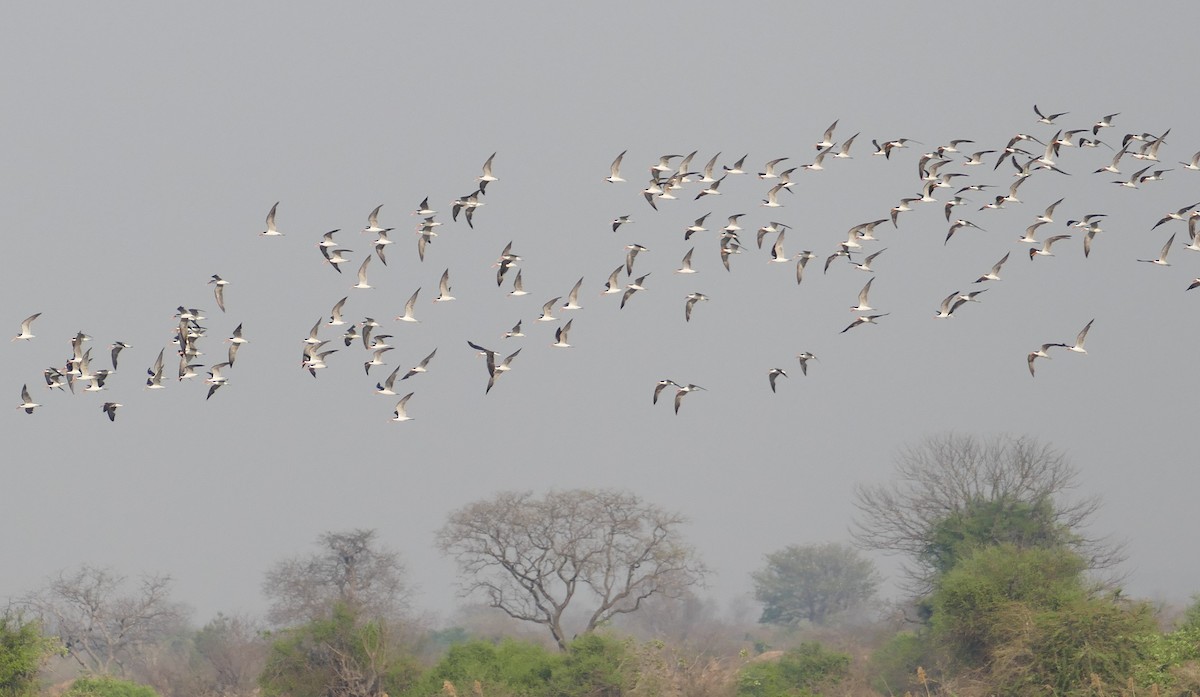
x=533 y=557
x=351 y=568
x=101 y=624
x=952 y=475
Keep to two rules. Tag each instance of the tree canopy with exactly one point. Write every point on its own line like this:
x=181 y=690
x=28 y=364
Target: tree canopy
x=812 y=583
x=601 y=550
x=350 y=568
x=953 y=492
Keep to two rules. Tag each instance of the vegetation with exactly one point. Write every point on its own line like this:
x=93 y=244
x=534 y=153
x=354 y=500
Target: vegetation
x=24 y=649
x=813 y=583
x=108 y=686
x=801 y=672
x=536 y=558
x=1006 y=606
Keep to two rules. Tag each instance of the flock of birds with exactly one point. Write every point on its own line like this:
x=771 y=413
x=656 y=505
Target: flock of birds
x=948 y=166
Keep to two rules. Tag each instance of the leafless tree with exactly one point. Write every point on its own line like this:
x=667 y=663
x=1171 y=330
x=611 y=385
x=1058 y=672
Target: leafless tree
x=350 y=568
x=101 y=623
x=534 y=557
x=947 y=474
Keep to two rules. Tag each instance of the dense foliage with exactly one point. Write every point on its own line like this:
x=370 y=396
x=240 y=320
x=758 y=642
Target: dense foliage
x=23 y=650
x=108 y=686
x=801 y=672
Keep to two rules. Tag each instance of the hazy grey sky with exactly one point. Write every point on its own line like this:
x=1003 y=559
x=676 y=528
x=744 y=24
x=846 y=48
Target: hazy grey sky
x=143 y=147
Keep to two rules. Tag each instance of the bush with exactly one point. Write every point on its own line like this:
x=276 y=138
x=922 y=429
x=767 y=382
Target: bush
x=108 y=686
x=23 y=649
x=593 y=666
x=801 y=672
x=893 y=667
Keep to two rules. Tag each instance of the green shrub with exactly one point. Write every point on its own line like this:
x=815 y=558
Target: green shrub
x=801 y=672
x=892 y=668
x=108 y=686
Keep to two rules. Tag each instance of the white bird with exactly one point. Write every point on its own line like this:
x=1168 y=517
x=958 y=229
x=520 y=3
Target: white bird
x=497 y=369
x=1193 y=233
x=1046 y=244
x=777 y=255
x=1184 y=213
x=387 y=386
x=771 y=201
x=515 y=332
x=409 y=308
x=946 y=309
x=335 y=257
x=815 y=165
x=804 y=358
x=1080 y=338
x=711 y=190
x=633 y=288
x=1133 y=181
x=660 y=386
x=236 y=339
x=1042 y=352
x=373 y=222
x=420 y=367
x=560 y=335
x=444 y=288
x=844 y=152
x=614 y=170
x=769 y=169
x=687 y=263
x=866 y=319
x=271 y=230
x=362 y=274
x=26 y=334
x=1162 y=256
x=377 y=357
x=1043 y=118
x=774 y=373
x=631 y=252
x=154 y=382
x=219 y=284
x=518 y=288
x=423 y=209
x=1047 y=216
x=1105 y=122
x=862 y=298
x=686 y=389
x=335 y=314
x=994 y=274
x=612 y=285
x=697 y=226
x=486 y=177
x=802 y=260
x=1194 y=164
x=737 y=166
x=26 y=403
x=573 y=296
x=548 y=310
x=827 y=139
x=865 y=265
x=692 y=299
x=400 y=414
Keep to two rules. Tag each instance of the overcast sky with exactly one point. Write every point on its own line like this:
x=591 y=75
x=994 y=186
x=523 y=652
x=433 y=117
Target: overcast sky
x=143 y=147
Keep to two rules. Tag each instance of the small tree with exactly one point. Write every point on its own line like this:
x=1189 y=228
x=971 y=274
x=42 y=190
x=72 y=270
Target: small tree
x=813 y=583
x=946 y=480
x=100 y=621
x=342 y=656
x=24 y=649
x=533 y=558
x=351 y=568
